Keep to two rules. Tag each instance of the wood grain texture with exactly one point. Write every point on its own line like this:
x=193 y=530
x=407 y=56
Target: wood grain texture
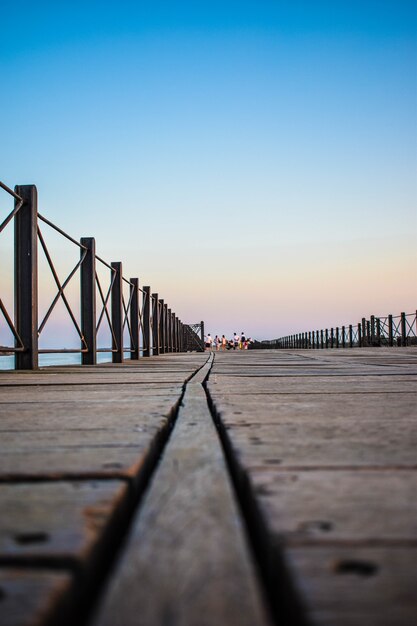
x=186 y=561
x=32 y=597
x=61 y=521
x=59 y=428
x=326 y=459
x=351 y=586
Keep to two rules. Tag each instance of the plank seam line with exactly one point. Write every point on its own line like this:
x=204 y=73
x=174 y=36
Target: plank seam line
x=92 y=595
x=89 y=580
x=285 y=608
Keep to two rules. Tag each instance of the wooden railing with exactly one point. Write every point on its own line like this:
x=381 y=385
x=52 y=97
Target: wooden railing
x=122 y=304
x=391 y=330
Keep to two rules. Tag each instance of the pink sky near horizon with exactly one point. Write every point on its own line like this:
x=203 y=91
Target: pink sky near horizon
x=266 y=291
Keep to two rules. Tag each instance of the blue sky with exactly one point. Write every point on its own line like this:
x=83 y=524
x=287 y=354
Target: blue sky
x=262 y=145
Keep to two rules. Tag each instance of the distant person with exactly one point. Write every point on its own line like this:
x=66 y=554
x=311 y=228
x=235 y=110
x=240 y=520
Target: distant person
x=224 y=342
x=216 y=342
x=236 y=340
x=209 y=342
x=242 y=340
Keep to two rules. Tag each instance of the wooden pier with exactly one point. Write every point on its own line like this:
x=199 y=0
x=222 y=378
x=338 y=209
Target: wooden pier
x=198 y=489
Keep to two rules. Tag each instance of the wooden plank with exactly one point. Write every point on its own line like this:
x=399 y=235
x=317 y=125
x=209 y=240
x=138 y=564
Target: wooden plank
x=113 y=443
x=62 y=522
x=351 y=586
x=327 y=467
x=87 y=393
x=235 y=385
x=62 y=440
x=138 y=371
x=52 y=427
x=327 y=507
x=271 y=409
x=324 y=442
x=328 y=371
x=99 y=378
x=117 y=413
x=186 y=561
x=88 y=462
x=32 y=598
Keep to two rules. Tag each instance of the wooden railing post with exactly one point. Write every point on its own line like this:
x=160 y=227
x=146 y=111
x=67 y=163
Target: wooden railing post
x=169 y=330
x=156 y=337
x=364 y=337
x=180 y=348
x=174 y=334
x=26 y=277
x=146 y=320
x=378 y=331
x=202 y=334
x=166 y=326
x=134 y=320
x=88 y=300
x=372 y=328
x=360 y=343
x=403 y=331
x=117 y=312
x=350 y=336
x=162 y=327
x=390 y=331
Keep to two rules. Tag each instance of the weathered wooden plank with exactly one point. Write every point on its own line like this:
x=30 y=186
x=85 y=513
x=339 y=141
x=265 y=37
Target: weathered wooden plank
x=31 y=598
x=117 y=413
x=301 y=371
x=260 y=409
x=186 y=561
x=58 y=522
x=327 y=466
x=351 y=586
x=87 y=462
x=99 y=378
x=327 y=507
x=68 y=393
x=63 y=440
x=235 y=385
x=111 y=444
x=139 y=371
x=327 y=443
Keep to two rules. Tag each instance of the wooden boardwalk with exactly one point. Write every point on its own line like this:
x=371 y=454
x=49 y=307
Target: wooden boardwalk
x=239 y=488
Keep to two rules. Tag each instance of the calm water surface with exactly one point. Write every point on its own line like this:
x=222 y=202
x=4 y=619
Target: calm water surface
x=7 y=362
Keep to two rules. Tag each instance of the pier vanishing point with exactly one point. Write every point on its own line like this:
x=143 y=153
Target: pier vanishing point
x=177 y=487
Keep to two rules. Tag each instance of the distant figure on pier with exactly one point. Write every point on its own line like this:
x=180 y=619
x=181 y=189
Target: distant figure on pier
x=209 y=342
x=217 y=342
x=242 y=341
x=224 y=342
x=236 y=340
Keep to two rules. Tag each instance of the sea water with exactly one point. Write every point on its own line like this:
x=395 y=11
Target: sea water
x=68 y=358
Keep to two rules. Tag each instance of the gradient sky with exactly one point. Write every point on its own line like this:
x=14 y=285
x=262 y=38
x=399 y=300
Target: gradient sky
x=254 y=162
